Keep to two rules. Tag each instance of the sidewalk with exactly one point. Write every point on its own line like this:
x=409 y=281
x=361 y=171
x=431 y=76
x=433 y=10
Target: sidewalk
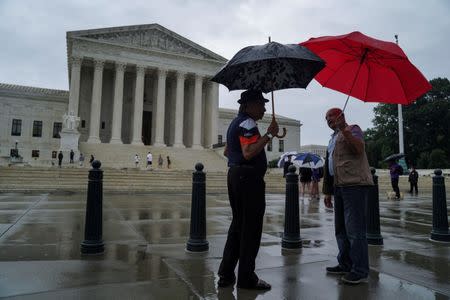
x=145 y=237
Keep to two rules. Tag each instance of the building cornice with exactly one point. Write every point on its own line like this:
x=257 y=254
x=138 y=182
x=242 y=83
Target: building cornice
x=34 y=93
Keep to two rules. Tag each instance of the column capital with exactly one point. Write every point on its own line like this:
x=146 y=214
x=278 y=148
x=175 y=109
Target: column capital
x=140 y=69
x=162 y=71
x=76 y=61
x=99 y=64
x=180 y=74
x=198 y=77
x=120 y=66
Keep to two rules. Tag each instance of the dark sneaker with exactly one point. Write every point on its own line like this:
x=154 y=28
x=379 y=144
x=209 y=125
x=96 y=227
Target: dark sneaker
x=338 y=270
x=261 y=285
x=353 y=278
x=226 y=282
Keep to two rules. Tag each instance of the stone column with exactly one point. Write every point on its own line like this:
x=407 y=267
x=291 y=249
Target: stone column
x=116 y=133
x=179 y=111
x=138 y=106
x=94 y=122
x=160 y=109
x=212 y=114
x=74 y=92
x=197 y=117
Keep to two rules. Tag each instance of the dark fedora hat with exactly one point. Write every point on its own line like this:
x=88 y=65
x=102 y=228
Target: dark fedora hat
x=251 y=95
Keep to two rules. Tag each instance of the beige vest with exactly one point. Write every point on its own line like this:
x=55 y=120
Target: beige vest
x=349 y=168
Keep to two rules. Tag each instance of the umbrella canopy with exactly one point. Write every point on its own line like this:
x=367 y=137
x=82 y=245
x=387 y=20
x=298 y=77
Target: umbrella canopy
x=270 y=67
x=368 y=69
x=283 y=157
x=308 y=160
x=394 y=157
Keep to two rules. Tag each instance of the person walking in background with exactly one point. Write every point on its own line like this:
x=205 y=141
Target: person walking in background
x=168 y=162
x=347 y=177
x=160 y=161
x=81 y=159
x=60 y=158
x=71 y=155
x=91 y=160
x=305 y=179
x=395 y=171
x=315 y=179
x=413 y=179
x=136 y=160
x=286 y=164
x=149 y=160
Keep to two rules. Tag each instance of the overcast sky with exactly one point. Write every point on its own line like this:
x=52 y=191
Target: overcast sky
x=33 y=39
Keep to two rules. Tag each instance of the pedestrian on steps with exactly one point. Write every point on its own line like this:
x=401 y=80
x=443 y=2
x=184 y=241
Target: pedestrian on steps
x=136 y=160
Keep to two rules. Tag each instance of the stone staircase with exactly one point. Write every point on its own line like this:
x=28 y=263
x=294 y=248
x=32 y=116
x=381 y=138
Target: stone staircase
x=122 y=156
x=132 y=180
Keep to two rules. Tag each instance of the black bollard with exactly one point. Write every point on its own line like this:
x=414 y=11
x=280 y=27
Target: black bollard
x=93 y=243
x=197 y=240
x=291 y=236
x=373 y=213
x=440 y=230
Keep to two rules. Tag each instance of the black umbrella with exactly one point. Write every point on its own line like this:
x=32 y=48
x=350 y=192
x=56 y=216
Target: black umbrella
x=394 y=157
x=270 y=67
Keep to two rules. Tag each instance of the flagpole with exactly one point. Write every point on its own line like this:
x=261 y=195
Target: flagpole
x=400 y=120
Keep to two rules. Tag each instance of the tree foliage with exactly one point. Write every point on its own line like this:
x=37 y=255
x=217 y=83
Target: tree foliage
x=426 y=126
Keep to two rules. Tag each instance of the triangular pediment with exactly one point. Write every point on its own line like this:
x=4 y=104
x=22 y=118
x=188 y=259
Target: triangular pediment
x=149 y=37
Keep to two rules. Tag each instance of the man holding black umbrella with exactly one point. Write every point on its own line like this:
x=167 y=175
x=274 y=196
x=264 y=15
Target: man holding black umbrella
x=247 y=164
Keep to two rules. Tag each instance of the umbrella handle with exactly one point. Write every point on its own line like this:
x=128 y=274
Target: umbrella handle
x=283 y=135
x=273 y=117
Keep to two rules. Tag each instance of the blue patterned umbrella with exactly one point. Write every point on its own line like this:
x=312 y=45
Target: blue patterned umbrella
x=283 y=157
x=308 y=160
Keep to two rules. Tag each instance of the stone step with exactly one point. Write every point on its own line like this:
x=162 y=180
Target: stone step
x=134 y=180
x=122 y=156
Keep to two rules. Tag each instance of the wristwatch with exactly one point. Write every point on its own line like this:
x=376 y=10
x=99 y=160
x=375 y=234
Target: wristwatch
x=269 y=135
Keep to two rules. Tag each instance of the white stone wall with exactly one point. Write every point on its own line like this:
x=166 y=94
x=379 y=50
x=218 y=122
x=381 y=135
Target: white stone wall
x=29 y=110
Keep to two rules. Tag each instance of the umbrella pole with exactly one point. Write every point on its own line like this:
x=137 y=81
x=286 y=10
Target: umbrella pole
x=356 y=76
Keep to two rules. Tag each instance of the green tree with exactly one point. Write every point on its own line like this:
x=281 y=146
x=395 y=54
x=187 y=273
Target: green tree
x=426 y=128
x=438 y=159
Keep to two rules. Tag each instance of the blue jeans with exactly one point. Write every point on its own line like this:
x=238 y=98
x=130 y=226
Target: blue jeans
x=350 y=228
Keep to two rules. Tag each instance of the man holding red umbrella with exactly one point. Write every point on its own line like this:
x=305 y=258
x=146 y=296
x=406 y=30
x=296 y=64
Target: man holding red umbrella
x=347 y=176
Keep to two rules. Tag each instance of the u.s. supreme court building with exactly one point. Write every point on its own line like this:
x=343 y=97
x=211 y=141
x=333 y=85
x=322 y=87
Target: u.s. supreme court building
x=133 y=89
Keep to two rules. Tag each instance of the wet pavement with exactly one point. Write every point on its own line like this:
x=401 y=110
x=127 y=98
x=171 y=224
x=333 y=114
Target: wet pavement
x=145 y=237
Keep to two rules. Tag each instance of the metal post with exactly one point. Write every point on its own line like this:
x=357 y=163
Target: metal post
x=401 y=144
x=440 y=230
x=197 y=241
x=291 y=236
x=93 y=243
x=373 y=213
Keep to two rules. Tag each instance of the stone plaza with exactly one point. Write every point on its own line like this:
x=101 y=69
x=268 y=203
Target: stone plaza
x=145 y=238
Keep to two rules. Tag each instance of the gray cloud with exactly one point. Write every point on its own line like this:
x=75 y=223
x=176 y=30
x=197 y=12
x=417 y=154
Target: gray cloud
x=33 y=50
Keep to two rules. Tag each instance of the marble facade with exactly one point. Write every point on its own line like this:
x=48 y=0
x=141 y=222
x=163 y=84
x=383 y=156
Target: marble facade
x=140 y=85
x=143 y=85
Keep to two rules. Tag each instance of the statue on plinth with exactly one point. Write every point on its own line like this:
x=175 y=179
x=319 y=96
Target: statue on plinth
x=69 y=133
x=71 y=121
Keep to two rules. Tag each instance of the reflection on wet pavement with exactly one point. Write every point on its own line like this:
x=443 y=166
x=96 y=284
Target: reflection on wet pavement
x=145 y=236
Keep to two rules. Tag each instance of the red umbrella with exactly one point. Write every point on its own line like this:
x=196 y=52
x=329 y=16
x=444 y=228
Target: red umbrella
x=368 y=69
